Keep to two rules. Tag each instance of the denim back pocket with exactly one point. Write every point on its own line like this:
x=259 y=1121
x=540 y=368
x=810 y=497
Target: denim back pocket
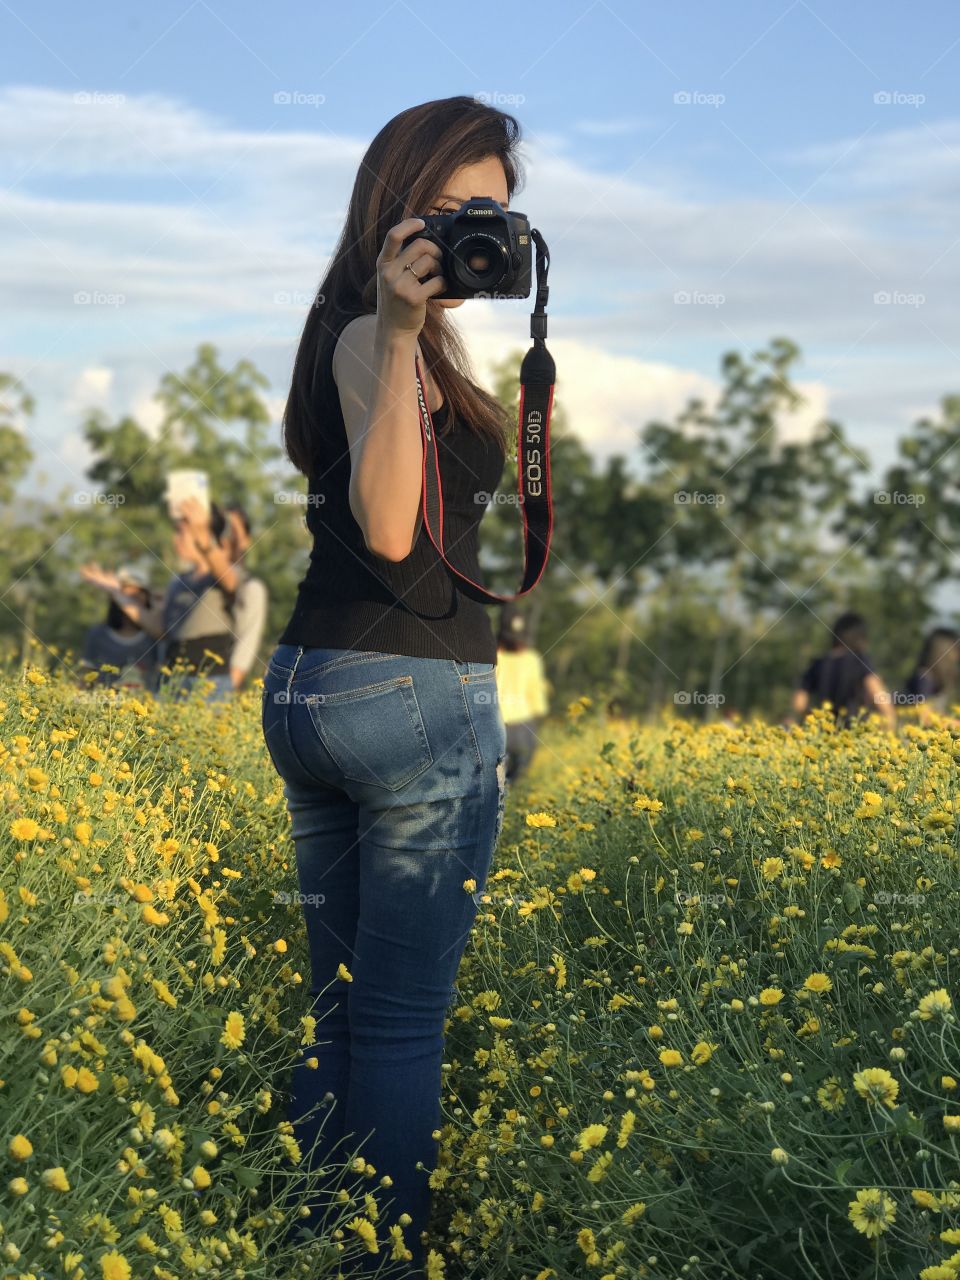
x=374 y=734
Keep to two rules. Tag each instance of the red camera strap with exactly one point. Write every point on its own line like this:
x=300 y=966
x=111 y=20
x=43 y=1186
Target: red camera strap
x=537 y=377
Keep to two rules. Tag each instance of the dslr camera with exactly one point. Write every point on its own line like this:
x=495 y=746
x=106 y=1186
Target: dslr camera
x=486 y=249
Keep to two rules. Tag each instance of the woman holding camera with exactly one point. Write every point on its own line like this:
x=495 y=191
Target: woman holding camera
x=379 y=705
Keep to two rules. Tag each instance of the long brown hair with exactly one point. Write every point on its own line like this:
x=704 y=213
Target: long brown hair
x=403 y=169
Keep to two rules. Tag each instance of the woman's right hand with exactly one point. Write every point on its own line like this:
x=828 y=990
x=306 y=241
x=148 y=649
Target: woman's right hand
x=401 y=297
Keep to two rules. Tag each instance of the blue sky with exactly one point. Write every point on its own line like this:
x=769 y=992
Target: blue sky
x=145 y=160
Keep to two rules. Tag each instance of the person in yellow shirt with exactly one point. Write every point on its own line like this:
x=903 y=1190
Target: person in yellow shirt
x=522 y=689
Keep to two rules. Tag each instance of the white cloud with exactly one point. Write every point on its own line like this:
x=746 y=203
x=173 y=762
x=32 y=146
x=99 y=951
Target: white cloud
x=91 y=390
x=194 y=227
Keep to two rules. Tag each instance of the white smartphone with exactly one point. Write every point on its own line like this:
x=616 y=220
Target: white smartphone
x=182 y=484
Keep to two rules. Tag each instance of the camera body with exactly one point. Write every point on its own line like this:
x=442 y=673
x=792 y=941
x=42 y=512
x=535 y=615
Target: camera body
x=487 y=250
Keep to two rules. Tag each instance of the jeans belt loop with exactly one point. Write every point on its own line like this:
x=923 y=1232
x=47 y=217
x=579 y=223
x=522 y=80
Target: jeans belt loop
x=293 y=671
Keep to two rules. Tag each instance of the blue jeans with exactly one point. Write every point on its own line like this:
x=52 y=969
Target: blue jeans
x=394 y=773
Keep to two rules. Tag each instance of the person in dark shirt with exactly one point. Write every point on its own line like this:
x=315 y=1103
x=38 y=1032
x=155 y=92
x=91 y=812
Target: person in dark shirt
x=844 y=677
x=933 y=682
x=120 y=652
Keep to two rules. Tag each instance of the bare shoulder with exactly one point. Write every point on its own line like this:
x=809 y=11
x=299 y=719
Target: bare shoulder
x=354 y=347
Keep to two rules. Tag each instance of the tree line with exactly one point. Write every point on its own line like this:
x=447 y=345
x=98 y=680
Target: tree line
x=699 y=570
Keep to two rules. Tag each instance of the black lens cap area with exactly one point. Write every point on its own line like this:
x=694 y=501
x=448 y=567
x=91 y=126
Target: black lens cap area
x=479 y=260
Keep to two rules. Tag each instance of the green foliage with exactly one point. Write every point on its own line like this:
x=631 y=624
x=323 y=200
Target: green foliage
x=710 y=559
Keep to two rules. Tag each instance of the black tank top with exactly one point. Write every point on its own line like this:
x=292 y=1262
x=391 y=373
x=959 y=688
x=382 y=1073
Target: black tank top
x=352 y=599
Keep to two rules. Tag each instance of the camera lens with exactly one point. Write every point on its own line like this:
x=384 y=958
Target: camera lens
x=479 y=261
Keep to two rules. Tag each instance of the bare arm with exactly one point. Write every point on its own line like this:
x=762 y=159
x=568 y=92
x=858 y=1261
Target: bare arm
x=881 y=700
x=373 y=367
x=799 y=703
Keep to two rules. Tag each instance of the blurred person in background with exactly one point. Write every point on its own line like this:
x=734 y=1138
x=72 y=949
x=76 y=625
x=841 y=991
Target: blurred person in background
x=118 y=643
x=932 y=684
x=844 y=677
x=194 y=618
x=250 y=611
x=522 y=690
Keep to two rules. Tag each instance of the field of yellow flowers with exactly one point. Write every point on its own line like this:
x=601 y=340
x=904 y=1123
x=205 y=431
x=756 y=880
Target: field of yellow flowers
x=705 y=1027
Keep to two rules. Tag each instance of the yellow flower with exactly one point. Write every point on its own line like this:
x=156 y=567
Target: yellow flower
x=591 y=1136
x=818 y=982
x=344 y=973
x=234 y=1030
x=779 y=1156
x=540 y=820
x=934 y=1003
x=20 y=1148
x=55 y=1178
x=830 y=1095
x=114 y=1266
x=771 y=868
x=366 y=1231
x=770 y=996
x=24 y=828
x=671 y=1057
x=647 y=805
x=703 y=1052
x=200 y=1178
x=18 y=1186
x=164 y=994
x=87 y=1082
x=875 y=1085
x=872 y=799
x=872 y=1212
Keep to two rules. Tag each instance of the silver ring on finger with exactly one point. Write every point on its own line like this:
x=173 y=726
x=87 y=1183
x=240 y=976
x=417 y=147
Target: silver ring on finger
x=409 y=267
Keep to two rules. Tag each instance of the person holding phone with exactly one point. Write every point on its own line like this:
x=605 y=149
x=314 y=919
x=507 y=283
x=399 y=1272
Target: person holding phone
x=379 y=705
x=193 y=620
